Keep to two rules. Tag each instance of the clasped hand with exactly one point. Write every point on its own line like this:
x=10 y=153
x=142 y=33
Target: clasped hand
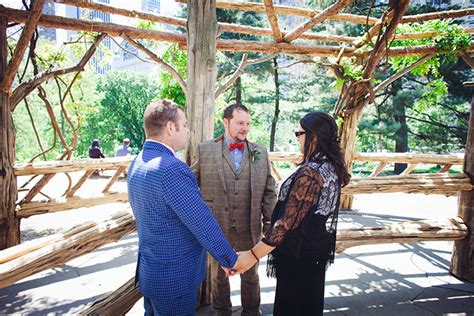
x=244 y=262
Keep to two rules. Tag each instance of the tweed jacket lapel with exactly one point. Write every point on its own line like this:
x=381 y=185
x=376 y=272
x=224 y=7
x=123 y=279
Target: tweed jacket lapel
x=245 y=158
x=228 y=158
x=253 y=170
x=217 y=148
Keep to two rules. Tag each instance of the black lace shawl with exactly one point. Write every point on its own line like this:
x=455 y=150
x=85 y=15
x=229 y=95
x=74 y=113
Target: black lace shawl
x=304 y=221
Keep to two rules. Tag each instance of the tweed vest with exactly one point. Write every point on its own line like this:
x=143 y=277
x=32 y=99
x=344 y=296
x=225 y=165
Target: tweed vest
x=238 y=191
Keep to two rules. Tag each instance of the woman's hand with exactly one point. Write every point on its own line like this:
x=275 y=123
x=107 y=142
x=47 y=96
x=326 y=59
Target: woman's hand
x=245 y=261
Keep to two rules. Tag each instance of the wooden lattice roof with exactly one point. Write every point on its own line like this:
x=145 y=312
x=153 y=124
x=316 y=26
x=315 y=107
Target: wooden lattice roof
x=275 y=39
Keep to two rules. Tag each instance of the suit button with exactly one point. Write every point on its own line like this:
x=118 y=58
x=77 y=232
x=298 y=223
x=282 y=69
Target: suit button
x=235 y=207
x=237 y=178
x=236 y=193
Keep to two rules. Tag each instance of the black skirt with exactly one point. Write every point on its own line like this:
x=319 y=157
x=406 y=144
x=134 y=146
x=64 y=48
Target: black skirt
x=300 y=286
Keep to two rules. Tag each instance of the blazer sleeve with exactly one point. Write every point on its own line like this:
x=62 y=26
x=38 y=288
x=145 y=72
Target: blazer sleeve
x=269 y=194
x=181 y=193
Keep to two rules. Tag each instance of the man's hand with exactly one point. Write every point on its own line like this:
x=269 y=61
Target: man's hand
x=229 y=272
x=245 y=261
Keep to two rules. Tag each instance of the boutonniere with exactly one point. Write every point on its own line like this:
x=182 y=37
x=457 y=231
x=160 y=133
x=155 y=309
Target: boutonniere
x=254 y=152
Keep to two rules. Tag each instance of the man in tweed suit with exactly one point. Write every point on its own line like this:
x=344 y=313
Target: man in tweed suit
x=174 y=225
x=236 y=183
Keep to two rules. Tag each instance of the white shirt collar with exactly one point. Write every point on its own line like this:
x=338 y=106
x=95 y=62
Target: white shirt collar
x=155 y=141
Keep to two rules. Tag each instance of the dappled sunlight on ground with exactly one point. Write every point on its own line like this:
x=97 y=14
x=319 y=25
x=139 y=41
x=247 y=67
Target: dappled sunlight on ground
x=386 y=279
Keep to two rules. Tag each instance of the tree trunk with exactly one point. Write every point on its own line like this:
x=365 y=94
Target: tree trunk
x=462 y=262
x=238 y=90
x=201 y=71
x=277 y=105
x=348 y=139
x=201 y=41
x=10 y=228
x=401 y=135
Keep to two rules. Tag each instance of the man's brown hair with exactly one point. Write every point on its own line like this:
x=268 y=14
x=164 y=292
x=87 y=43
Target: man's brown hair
x=229 y=111
x=157 y=114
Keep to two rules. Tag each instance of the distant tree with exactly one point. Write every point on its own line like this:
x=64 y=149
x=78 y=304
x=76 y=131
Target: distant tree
x=120 y=113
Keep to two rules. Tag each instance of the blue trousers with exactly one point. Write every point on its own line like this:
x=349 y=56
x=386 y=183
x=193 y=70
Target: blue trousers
x=183 y=305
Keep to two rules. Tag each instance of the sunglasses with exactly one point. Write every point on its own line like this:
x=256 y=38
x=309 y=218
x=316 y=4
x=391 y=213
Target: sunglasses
x=299 y=133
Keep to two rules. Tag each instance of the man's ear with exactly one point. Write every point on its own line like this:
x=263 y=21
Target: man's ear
x=169 y=127
x=225 y=122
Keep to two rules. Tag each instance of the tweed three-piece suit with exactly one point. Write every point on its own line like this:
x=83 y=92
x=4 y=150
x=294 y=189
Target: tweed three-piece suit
x=242 y=201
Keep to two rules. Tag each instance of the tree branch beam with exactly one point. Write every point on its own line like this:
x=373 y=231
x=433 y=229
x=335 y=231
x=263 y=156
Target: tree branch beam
x=223 y=27
x=288 y=10
x=437 y=15
x=240 y=70
x=111 y=29
x=25 y=88
x=173 y=72
x=30 y=26
x=465 y=56
x=272 y=19
x=381 y=46
x=319 y=18
x=401 y=73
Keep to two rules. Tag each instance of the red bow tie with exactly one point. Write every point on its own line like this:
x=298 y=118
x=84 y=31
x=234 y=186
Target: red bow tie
x=239 y=146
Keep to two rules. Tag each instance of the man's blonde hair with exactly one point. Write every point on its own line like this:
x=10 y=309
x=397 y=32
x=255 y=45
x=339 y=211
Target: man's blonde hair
x=157 y=114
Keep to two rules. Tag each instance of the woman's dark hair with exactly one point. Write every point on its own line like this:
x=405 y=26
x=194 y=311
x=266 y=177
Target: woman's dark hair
x=323 y=127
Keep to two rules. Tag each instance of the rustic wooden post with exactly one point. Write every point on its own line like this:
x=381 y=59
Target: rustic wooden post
x=200 y=103
x=462 y=262
x=10 y=225
x=348 y=139
x=201 y=71
x=359 y=94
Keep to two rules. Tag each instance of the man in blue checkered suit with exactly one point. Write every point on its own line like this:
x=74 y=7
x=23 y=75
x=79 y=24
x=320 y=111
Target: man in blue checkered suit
x=174 y=225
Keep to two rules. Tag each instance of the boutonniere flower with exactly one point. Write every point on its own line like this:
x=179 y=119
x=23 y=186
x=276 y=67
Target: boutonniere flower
x=255 y=153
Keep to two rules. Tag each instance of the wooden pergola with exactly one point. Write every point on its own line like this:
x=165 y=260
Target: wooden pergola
x=202 y=41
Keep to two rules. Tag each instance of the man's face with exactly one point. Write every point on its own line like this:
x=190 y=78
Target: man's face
x=181 y=132
x=238 y=126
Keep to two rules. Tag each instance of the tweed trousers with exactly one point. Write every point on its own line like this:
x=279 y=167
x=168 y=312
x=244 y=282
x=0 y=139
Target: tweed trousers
x=249 y=281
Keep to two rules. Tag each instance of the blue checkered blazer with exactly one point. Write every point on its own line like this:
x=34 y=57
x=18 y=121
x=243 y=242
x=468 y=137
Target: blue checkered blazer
x=174 y=225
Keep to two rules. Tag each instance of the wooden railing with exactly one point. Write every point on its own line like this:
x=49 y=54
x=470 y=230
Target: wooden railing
x=413 y=160
x=383 y=159
x=438 y=183
x=441 y=183
x=68 y=199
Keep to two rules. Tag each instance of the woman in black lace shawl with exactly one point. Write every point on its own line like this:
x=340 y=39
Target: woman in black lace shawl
x=302 y=238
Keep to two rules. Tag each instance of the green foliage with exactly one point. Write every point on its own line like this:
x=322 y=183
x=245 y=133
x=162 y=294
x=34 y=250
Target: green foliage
x=170 y=88
x=435 y=92
x=120 y=114
x=84 y=100
x=146 y=25
x=449 y=40
x=352 y=71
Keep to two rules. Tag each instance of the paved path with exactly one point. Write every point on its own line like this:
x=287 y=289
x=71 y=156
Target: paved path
x=388 y=279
